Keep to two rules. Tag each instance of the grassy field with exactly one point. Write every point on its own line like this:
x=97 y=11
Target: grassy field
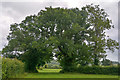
x=54 y=73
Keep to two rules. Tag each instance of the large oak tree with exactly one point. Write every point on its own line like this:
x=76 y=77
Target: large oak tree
x=73 y=36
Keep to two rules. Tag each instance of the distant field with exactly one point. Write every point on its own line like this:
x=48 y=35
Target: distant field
x=54 y=73
x=49 y=71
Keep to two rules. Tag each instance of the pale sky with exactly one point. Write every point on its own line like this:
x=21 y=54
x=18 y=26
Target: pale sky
x=14 y=11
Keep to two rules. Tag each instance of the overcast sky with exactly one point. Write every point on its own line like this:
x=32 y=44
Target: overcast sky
x=15 y=12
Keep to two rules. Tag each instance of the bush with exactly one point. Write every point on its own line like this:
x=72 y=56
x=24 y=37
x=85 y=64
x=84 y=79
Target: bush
x=11 y=68
x=98 y=70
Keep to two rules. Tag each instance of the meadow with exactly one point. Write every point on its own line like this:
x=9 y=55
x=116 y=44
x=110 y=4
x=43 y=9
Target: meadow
x=54 y=73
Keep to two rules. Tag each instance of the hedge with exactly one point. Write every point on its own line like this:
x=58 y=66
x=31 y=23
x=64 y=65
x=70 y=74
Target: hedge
x=98 y=70
x=11 y=68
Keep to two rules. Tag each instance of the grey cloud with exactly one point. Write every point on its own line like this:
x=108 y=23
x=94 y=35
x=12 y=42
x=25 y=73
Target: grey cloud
x=19 y=10
x=112 y=9
x=112 y=56
x=27 y=8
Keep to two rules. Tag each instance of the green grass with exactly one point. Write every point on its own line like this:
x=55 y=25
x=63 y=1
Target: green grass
x=54 y=73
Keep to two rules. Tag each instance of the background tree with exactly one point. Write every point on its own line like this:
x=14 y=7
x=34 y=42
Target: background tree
x=98 y=40
x=106 y=62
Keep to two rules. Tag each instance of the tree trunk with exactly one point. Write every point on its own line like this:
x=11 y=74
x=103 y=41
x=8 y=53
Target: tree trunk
x=29 y=67
x=96 y=60
x=67 y=62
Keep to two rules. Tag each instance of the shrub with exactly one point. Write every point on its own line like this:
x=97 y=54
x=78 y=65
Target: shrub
x=98 y=70
x=11 y=68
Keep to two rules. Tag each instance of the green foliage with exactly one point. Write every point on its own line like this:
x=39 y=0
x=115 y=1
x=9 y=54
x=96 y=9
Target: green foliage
x=98 y=70
x=106 y=62
x=98 y=41
x=11 y=68
x=75 y=36
x=67 y=65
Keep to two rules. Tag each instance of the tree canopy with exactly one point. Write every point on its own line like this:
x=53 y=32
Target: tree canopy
x=74 y=36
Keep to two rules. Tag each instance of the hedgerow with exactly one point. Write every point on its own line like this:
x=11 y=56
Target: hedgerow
x=112 y=70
